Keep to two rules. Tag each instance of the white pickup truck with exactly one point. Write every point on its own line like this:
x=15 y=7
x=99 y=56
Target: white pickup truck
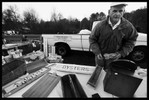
x=66 y=42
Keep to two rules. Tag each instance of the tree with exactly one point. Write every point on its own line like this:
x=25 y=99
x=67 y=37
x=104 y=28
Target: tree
x=74 y=26
x=60 y=16
x=31 y=20
x=95 y=17
x=128 y=16
x=42 y=26
x=85 y=24
x=139 y=19
x=101 y=16
x=56 y=17
x=92 y=19
x=11 y=19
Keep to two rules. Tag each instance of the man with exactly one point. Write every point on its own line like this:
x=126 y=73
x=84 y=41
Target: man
x=113 y=37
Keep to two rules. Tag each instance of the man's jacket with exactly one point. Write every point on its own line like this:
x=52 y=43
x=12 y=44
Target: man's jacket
x=122 y=39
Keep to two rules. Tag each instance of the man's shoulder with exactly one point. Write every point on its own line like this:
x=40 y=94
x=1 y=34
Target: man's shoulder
x=127 y=22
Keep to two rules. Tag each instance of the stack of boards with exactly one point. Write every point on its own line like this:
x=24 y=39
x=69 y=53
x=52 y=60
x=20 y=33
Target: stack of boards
x=21 y=83
x=43 y=87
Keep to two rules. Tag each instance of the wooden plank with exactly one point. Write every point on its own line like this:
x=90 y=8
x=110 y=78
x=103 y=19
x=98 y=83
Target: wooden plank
x=50 y=87
x=43 y=87
x=32 y=91
x=94 y=77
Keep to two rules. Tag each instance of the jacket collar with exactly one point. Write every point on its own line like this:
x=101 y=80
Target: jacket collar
x=116 y=25
x=122 y=25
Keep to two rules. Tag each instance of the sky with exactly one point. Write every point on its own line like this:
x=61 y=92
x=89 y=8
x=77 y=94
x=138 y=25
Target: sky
x=77 y=10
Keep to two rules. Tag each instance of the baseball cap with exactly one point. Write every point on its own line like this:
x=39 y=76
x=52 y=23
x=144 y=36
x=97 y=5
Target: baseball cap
x=118 y=4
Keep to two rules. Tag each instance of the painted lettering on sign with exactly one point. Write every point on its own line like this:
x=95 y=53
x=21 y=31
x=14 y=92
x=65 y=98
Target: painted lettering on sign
x=74 y=68
x=68 y=67
x=62 y=38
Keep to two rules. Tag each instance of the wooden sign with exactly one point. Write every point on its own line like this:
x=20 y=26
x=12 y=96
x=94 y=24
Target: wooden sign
x=82 y=69
x=13 y=88
x=94 y=77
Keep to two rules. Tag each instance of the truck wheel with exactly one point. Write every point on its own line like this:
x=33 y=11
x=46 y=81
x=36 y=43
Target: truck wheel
x=138 y=54
x=62 y=50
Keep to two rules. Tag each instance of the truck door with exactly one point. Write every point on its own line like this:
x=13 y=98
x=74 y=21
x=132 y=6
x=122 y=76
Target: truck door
x=75 y=42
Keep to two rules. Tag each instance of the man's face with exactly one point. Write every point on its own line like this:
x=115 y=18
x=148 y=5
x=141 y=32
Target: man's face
x=116 y=13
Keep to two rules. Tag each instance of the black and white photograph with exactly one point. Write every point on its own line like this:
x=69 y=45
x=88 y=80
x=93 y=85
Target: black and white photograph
x=74 y=49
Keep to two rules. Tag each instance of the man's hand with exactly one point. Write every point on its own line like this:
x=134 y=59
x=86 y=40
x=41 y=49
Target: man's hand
x=112 y=55
x=117 y=55
x=99 y=56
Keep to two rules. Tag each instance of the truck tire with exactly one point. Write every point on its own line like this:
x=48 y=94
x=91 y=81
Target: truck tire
x=138 y=54
x=62 y=50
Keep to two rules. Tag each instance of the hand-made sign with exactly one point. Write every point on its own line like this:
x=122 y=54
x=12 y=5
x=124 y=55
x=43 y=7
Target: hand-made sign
x=74 y=68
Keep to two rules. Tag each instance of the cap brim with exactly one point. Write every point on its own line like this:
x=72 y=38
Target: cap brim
x=119 y=5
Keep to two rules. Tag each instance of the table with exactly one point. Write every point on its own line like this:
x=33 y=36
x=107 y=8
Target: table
x=12 y=46
x=83 y=78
